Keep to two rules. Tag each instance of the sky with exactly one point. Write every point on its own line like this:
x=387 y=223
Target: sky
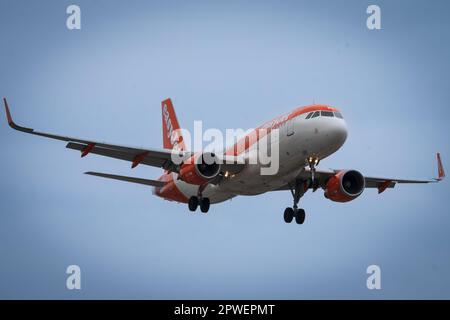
x=232 y=64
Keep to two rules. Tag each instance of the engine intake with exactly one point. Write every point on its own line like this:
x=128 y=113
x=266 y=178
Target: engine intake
x=200 y=168
x=345 y=186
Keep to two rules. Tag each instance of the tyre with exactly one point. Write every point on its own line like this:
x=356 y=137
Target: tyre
x=300 y=216
x=204 y=205
x=288 y=215
x=193 y=203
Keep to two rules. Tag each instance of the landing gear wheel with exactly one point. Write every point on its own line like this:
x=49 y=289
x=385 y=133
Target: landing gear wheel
x=298 y=189
x=193 y=203
x=204 y=205
x=299 y=216
x=288 y=215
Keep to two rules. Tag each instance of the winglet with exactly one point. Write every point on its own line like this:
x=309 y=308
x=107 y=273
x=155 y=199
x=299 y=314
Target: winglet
x=11 y=122
x=441 y=173
x=8 y=113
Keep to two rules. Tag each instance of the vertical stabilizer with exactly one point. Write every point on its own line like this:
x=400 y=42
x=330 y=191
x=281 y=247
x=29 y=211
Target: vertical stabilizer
x=172 y=137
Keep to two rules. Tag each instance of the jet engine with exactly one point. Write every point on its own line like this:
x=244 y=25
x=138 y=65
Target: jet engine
x=200 y=168
x=345 y=186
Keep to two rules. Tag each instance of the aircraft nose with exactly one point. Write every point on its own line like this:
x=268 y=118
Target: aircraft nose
x=336 y=133
x=340 y=131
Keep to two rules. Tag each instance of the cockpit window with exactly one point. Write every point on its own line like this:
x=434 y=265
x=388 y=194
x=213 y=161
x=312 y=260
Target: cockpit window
x=316 y=114
x=309 y=115
x=338 y=115
x=327 y=114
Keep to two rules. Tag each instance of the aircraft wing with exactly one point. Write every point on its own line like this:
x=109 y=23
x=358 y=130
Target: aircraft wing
x=152 y=157
x=381 y=183
x=148 y=182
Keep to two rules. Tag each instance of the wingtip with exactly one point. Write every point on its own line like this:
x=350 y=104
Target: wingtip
x=441 y=172
x=8 y=113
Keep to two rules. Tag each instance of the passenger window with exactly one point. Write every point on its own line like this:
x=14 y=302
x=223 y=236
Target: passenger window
x=338 y=115
x=316 y=114
x=327 y=114
x=309 y=115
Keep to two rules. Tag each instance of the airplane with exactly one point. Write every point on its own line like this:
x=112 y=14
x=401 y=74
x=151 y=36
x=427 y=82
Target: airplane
x=306 y=136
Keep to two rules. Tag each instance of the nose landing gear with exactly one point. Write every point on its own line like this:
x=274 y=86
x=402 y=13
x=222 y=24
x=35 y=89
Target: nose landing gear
x=297 y=191
x=312 y=161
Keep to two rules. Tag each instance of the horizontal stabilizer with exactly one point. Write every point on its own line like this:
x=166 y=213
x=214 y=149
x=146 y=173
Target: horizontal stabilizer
x=148 y=182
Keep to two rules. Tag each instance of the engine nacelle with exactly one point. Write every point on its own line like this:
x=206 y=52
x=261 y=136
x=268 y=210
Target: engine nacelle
x=345 y=186
x=200 y=168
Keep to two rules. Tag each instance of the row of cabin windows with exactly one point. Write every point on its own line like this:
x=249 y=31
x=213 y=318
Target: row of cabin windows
x=322 y=113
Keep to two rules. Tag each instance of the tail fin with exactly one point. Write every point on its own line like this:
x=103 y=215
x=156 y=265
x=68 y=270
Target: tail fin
x=172 y=137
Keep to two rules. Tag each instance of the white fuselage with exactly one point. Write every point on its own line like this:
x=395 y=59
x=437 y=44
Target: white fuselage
x=299 y=138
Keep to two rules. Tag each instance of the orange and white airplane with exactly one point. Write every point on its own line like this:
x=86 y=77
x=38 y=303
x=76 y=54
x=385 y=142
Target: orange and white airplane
x=306 y=135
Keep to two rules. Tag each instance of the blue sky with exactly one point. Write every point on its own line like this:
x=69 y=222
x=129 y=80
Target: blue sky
x=232 y=64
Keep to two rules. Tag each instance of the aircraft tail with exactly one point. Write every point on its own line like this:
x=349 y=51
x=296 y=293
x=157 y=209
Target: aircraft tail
x=172 y=137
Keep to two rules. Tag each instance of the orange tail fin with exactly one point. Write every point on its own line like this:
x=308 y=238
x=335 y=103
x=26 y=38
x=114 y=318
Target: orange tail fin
x=172 y=137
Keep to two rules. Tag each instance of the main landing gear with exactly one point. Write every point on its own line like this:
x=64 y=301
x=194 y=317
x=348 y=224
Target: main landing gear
x=199 y=201
x=297 y=190
x=195 y=202
x=290 y=213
